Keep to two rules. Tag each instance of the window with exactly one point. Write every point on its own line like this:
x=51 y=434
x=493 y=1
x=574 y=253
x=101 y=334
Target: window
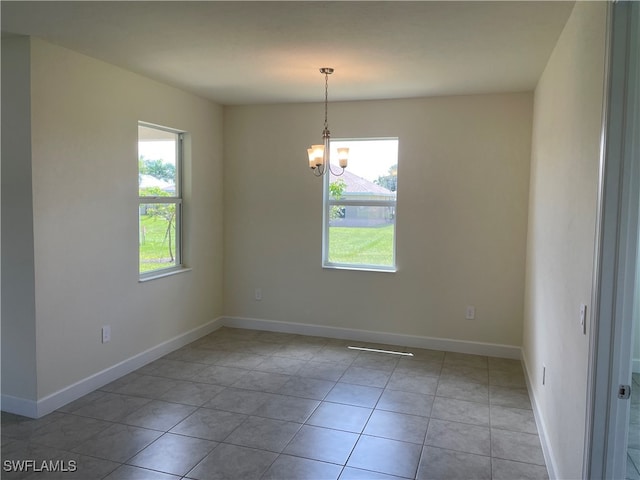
x=159 y=199
x=360 y=207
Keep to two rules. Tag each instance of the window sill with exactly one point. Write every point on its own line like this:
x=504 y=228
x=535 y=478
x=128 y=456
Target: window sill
x=163 y=273
x=362 y=268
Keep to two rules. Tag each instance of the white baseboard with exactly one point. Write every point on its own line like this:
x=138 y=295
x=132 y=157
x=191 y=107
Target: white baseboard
x=48 y=404
x=446 y=344
x=19 y=406
x=635 y=368
x=549 y=459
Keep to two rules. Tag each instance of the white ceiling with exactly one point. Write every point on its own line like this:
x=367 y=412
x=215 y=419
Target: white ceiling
x=263 y=52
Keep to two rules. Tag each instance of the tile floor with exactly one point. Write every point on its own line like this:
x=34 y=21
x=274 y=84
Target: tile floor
x=633 y=448
x=245 y=404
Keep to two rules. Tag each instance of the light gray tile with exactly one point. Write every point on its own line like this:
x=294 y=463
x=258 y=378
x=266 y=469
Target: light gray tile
x=312 y=388
x=634 y=455
x=241 y=360
x=229 y=462
x=386 y=456
x=192 y=393
x=350 y=394
x=437 y=463
x=634 y=418
x=465 y=374
x=322 y=444
x=425 y=355
x=406 y=402
x=507 y=379
x=147 y=386
x=341 y=417
x=219 y=375
x=298 y=350
x=505 y=364
x=288 y=467
x=262 y=381
x=178 y=369
x=110 y=387
x=462 y=390
x=413 y=382
x=197 y=355
x=508 y=470
x=430 y=368
x=460 y=411
x=397 y=426
x=159 y=415
x=335 y=354
x=365 y=376
x=516 y=446
x=174 y=454
x=465 y=360
x=264 y=434
x=633 y=438
x=238 y=400
x=282 y=407
x=128 y=472
x=86 y=468
x=283 y=365
x=209 y=424
x=514 y=419
x=631 y=472
x=112 y=407
x=509 y=397
x=118 y=442
x=459 y=436
x=81 y=402
x=21 y=428
x=350 y=473
x=322 y=370
x=376 y=361
x=68 y=432
x=276 y=337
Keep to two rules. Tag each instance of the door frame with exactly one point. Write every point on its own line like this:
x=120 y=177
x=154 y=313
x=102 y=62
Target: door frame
x=616 y=250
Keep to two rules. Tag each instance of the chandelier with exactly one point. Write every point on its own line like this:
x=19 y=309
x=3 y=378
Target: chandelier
x=319 y=155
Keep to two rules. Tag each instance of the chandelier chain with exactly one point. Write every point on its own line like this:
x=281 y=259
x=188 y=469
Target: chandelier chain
x=326 y=99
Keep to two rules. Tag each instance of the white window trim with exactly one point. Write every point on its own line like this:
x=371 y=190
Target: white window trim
x=179 y=266
x=328 y=202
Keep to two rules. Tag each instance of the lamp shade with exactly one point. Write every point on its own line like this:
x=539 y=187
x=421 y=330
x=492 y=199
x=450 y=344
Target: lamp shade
x=343 y=156
x=317 y=152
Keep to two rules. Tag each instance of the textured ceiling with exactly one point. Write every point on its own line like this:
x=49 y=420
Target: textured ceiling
x=264 y=52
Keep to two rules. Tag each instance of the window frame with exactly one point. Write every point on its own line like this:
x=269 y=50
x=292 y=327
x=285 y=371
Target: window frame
x=177 y=200
x=329 y=202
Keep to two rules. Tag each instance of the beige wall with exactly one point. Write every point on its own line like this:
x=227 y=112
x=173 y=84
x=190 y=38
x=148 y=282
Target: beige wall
x=84 y=159
x=461 y=219
x=562 y=215
x=18 y=295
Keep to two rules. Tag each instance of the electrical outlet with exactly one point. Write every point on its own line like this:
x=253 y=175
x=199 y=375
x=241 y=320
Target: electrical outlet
x=106 y=333
x=258 y=294
x=470 y=313
x=583 y=319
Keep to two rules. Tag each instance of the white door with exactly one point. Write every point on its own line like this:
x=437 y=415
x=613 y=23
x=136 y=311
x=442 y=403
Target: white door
x=616 y=292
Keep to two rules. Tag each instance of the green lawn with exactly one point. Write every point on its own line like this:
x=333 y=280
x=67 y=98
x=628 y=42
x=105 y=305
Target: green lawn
x=154 y=246
x=358 y=245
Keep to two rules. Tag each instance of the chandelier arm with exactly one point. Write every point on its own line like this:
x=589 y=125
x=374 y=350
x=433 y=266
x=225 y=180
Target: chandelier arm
x=334 y=173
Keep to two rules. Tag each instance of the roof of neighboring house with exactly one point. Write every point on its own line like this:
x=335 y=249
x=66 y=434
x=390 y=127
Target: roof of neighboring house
x=148 y=181
x=356 y=184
